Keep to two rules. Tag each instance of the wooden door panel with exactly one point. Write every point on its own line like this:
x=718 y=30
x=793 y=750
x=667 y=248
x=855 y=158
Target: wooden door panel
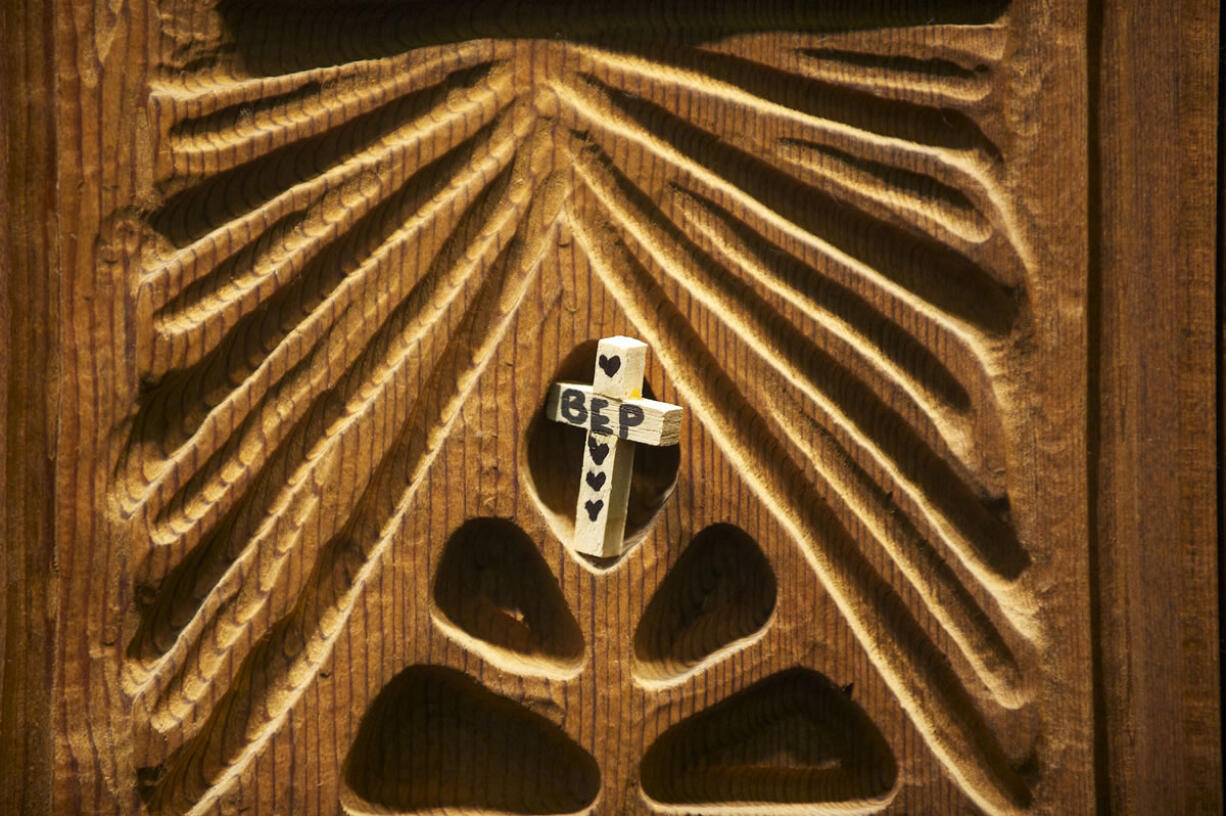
x=378 y=235
x=339 y=257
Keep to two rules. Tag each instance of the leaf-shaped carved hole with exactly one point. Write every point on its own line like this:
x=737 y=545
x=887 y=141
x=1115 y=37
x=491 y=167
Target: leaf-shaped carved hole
x=494 y=588
x=555 y=460
x=793 y=738
x=433 y=739
x=719 y=594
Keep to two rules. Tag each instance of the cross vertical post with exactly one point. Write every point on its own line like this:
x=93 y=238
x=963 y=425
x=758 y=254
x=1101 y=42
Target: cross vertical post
x=608 y=461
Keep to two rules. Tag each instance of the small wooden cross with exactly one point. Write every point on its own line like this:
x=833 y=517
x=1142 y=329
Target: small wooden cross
x=615 y=415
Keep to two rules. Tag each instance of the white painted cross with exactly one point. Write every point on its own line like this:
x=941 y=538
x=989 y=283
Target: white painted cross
x=615 y=415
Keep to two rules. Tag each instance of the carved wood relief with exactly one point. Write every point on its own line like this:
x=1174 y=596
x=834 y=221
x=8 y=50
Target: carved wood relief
x=852 y=238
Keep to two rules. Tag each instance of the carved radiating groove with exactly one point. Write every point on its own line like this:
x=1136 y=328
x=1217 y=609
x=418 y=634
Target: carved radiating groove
x=286 y=660
x=893 y=356
x=790 y=102
x=221 y=125
x=938 y=267
x=200 y=300
x=942 y=65
x=955 y=425
x=207 y=654
x=355 y=155
x=838 y=311
x=941 y=80
x=369 y=382
x=865 y=434
x=914 y=459
x=922 y=679
x=370 y=395
x=891 y=266
x=375 y=280
x=937 y=164
x=966 y=42
x=781 y=266
x=427 y=301
x=944 y=189
x=780 y=343
x=973 y=308
x=904 y=54
x=211 y=218
x=941 y=590
x=188 y=321
x=387 y=281
x=926 y=201
x=860 y=500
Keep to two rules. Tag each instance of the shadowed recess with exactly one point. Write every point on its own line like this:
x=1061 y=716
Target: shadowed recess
x=193 y=211
x=982 y=519
x=793 y=738
x=933 y=271
x=721 y=590
x=494 y=586
x=282 y=37
x=179 y=594
x=555 y=460
x=944 y=204
x=910 y=121
x=929 y=67
x=232 y=116
x=434 y=738
x=172 y=409
x=894 y=342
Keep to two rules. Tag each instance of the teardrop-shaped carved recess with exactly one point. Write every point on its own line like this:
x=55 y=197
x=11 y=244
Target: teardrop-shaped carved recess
x=555 y=459
x=718 y=596
x=495 y=593
x=434 y=739
x=794 y=738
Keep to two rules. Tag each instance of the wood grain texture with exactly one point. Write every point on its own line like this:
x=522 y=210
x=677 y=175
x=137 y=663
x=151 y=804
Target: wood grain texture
x=313 y=269
x=29 y=278
x=348 y=221
x=1156 y=524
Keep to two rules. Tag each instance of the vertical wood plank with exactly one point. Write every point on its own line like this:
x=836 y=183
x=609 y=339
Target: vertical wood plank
x=98 y=100
x=1155 y=535
x=29 y=277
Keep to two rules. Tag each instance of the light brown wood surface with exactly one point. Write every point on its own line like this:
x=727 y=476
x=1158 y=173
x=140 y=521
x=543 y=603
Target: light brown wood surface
x=285 y=290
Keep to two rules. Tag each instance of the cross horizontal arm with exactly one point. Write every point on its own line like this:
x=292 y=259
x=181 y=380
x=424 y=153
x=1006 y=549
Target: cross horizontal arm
x=645 y=421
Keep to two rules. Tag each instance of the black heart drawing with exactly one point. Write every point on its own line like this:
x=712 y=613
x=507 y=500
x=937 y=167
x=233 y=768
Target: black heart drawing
x=597 y=451
x=593 y=508
x=609 y=365
x=595 y=480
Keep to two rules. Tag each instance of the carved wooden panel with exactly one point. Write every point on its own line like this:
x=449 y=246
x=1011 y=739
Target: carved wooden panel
x=362 y=243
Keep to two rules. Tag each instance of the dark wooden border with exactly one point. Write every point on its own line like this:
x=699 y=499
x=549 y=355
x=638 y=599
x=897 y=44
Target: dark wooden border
x=28 y=336
x=1153 y=423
